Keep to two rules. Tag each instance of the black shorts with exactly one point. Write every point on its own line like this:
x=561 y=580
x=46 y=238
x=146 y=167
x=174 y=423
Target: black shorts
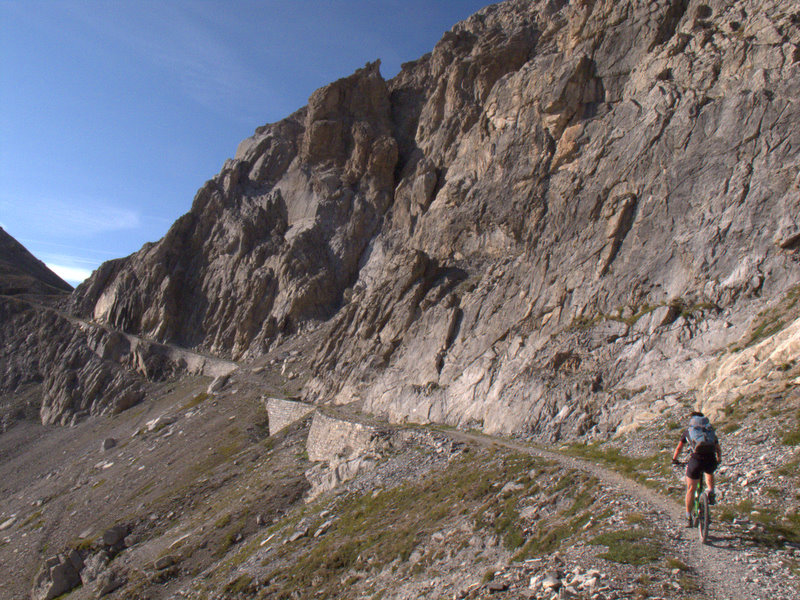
x=699 y=464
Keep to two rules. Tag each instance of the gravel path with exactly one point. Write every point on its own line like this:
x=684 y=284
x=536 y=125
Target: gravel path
x=724 y=563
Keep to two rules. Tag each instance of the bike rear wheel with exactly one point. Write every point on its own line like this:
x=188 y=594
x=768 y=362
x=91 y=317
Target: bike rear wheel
x=703 y=517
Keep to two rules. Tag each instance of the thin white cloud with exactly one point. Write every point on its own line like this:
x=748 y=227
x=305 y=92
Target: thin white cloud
x=83 y=217
x=183 y=42
x=72 y=275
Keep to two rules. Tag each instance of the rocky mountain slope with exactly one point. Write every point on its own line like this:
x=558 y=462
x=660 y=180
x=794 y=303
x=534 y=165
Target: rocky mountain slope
x=21 y=272
x=570 y=221
x=59 y=369
x=198 y=495
x=552 y=221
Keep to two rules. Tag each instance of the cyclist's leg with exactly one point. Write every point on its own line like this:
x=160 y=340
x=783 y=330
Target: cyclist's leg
x=691 y=486
x=709 y=471
x=693 y=475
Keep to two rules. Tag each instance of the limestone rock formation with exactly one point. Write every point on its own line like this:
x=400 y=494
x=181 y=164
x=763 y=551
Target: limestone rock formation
x=616 y=214
x=272 y=241
x=71 y=367
x=549 y=225
x=81 y=371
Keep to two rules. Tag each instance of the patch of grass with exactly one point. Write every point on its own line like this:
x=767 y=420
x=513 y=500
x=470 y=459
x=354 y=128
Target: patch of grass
x=36 y=520
x=240 y=585
x=228 y=540
x=547 y=537
x=374 y=530
x=726 y=514
x=85 y=544
x=791 y=437
x=223 y=521
x=674 y=563
x=731 y=428
x=790 y=469
x=545 y=540
x=771 y=321
x=680 y=307
x=634 y=467
x=635 y=518
x=196 y=401
x=629 y=546
x=220 y=455
x=689 y=584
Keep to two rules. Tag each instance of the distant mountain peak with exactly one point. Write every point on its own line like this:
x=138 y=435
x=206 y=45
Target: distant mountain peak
x=22 y=273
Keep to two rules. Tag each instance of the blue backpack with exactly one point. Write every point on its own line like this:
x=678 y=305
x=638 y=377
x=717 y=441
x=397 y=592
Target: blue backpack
x=702 y=437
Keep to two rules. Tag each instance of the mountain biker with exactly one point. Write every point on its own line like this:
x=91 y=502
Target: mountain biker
x=706 y=456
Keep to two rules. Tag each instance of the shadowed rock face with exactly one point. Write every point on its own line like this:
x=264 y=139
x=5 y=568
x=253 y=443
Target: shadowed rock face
x=546 y=225
x=77 y=370
x=22 y=273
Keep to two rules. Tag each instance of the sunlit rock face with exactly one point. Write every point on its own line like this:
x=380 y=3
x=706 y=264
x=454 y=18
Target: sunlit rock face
x=548 y=225
x=273 y=240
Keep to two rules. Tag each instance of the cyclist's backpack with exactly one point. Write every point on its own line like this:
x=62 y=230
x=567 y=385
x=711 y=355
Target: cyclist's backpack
x=702 y=437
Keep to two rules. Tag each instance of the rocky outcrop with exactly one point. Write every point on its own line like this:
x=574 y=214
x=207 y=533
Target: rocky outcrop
x=614 y=215
x=59 y=575
x=546 y=226
x=272 y=241
x=80 y=371
x=64 y=572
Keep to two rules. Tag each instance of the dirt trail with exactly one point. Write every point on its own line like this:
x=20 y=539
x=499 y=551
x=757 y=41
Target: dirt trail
x=721 y=574
x=196 y=362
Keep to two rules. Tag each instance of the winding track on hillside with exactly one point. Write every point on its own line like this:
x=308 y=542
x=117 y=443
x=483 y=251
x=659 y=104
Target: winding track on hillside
x=721 y=575
x=196 y=362
x=724 y=577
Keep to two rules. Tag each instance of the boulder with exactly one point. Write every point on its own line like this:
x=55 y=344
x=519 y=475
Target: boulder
x=165 y=562
x=59 y=575
x=216 y=386
x=108 y=581
x=93 y=566
x=113 y=539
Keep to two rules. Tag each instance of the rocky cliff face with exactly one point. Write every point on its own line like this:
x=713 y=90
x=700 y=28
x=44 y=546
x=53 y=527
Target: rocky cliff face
x=271 y=242
x=554 y=220
x=60 y=369
x=49 y=364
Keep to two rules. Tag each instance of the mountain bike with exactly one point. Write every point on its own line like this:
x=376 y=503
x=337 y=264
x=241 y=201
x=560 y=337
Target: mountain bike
x=701 y=514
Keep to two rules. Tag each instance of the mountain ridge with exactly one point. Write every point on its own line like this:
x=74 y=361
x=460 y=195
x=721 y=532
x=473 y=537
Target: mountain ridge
x=565 y=228
x=21 y=272
x=460 y=243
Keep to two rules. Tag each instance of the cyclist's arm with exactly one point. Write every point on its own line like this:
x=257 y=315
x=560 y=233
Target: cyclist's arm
x=677 y=450
x=718 y=450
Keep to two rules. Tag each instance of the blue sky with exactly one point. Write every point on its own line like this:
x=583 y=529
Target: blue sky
x=114 y=113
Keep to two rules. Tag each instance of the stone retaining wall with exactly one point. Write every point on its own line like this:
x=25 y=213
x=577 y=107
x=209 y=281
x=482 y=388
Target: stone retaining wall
x=330 y=438
x=283 y=413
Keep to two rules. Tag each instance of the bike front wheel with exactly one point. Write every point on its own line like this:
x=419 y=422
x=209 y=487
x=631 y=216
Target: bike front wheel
x=703 y=518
